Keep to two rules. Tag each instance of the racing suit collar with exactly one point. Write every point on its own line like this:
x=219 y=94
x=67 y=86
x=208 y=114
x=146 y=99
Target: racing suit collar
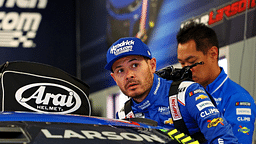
x=217 y=83
x=151 y=97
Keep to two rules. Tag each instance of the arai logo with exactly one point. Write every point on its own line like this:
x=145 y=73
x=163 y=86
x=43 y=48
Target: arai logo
x=49 y=102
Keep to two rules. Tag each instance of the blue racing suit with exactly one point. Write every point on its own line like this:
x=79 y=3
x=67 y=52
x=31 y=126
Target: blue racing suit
x=236 y=104
x=195 y=107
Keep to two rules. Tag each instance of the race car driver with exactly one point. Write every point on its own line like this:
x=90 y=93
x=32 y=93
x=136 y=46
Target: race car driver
x=133 y=69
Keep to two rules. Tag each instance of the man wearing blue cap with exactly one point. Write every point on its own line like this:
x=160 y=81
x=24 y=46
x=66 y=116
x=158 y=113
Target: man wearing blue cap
x=133 y=69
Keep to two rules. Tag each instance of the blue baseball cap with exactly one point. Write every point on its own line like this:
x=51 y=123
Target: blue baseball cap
x=125 y=47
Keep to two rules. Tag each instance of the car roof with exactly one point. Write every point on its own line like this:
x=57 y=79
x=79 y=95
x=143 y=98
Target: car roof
x=69 y=118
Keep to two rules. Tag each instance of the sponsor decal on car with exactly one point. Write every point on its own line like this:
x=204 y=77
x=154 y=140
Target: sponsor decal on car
x=66 y=102
x=214 y=122
x=244 y=130
x=109 y=135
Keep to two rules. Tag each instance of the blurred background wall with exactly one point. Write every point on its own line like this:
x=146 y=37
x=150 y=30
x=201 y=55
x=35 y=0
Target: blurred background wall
x=74 y=35
x=40 y=31
x=157 y=22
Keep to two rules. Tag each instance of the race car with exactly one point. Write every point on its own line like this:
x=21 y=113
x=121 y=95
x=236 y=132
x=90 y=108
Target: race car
x=36 y=128
x=41 y=104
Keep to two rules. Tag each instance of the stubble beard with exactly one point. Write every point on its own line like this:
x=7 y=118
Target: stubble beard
x=142 y=92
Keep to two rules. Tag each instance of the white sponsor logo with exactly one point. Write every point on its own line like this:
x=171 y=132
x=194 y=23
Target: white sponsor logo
x=220 y=141
x=110 y=135
x=149 y=53
x=243 y=104
x=121 y=114
x=209 y=112
x=124 y=46
x=217 y=100
x=164 y=110
x=49 y=101
x=204 y=104
x=199 y=91
x=157 y=87
x=243 y=119
x=144 y=105
x=15 y=27
x=176 y=115
x=140 y=115
x=29 y=4
x=243 y=111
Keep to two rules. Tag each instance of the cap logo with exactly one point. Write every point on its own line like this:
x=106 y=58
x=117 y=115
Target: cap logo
x=149 y=53
x=124 y=46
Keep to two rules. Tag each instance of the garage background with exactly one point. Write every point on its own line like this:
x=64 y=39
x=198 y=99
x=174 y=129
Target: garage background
x=74 y=35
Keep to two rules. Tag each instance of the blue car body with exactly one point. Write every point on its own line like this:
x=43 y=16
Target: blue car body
x=36 y=128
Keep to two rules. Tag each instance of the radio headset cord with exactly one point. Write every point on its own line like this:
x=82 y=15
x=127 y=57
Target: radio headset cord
x=179 y=75
x=175 y=74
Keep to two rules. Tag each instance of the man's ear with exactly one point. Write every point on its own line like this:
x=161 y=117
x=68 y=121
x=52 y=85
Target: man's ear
x=214 y=53
x=153 y=64
x=113 y=76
